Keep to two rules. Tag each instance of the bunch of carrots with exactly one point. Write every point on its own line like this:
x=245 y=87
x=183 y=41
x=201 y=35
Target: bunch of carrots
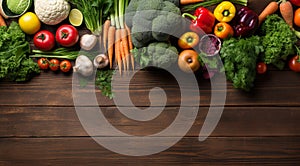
x=286 y=10
x=117 y=39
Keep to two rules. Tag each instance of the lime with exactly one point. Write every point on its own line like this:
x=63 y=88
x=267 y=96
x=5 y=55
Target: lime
x=75 y=17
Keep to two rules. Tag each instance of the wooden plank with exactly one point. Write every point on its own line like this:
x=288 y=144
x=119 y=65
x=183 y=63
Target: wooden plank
x=63 y=121
x=276 y=88
x=84 y=151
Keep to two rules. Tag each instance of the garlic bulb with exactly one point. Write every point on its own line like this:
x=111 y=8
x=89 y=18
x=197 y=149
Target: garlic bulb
x=84 y=66
x=88 y=41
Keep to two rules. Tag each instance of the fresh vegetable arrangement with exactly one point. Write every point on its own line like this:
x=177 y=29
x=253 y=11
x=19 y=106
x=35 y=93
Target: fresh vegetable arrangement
x=126 y=34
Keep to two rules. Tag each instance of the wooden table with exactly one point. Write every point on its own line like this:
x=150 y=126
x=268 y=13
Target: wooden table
x=39 y=124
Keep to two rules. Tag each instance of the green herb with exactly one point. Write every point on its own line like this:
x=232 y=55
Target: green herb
x=191 y=7
x=63 y=53
x=103 y=82
x=93 y=12
x=14 y=62
x=239 y=59
x=278 y=41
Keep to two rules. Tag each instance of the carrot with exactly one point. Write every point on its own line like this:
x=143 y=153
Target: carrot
x=271 y=8
x=110 y=44
x=2 y=21
x=118 y=50
x=122 y=51
x=125 y=46
x=185 y=2
x=130 y=45
x=286 y=11
x=105 y=33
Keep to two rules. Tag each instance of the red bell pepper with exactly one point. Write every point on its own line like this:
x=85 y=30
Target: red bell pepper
x=202 y=19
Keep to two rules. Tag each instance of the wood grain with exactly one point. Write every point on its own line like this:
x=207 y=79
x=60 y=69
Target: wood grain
x=56 y=90
x=220 y=150
x=63 y=121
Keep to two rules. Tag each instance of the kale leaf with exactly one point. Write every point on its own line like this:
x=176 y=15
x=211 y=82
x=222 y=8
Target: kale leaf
x=239 y=59
x=278 y=41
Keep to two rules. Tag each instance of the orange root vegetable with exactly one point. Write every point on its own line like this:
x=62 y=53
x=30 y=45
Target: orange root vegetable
x=271 y=8
x=2 y=21
x=105 y=34
x=186 y=2
x=130 y=45
x=110 y=44
x=125 y=46
x=118 y=50
x=287 y=13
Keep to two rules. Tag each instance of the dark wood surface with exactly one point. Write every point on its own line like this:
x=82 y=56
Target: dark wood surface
x=39 y=124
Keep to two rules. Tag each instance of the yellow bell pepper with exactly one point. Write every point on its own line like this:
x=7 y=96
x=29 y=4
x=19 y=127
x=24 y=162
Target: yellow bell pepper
x=225 y=11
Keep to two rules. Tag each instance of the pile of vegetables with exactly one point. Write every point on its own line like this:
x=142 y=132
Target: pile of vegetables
x=160 y=33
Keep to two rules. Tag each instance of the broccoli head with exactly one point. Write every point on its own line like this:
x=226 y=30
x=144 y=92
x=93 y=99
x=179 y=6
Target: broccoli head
x=133 y=7
x=157 y=54
x=154 y=20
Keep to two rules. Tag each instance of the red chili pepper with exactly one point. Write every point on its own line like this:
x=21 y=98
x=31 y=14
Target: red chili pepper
x=202 y=19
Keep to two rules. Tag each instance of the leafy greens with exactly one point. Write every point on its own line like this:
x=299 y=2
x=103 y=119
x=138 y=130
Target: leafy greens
x=239 y=58
x=278 y=41
x=15 y=65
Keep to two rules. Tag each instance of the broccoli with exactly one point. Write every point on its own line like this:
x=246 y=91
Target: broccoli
x=152 y=20
x=278 y=41
x=157 y=54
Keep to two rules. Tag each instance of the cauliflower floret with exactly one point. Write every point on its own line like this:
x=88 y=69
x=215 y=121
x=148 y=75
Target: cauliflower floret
x=52 y=12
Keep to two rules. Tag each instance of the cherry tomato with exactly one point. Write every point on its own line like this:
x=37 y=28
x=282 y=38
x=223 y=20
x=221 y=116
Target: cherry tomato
x=65 y=66
x=295 y=2
x=294 y=63
x=43 y=63
x=67 y=35
x=44 y=40
x=261 y=68
x=54 y=64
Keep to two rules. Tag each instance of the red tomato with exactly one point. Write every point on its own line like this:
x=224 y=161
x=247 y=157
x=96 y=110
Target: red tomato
x=295 y=2
x=67 y=35
x=43 y=63
x=261 y=68
x=65 y=66
x=294 y=63
x=54 y=64
x=44 y=40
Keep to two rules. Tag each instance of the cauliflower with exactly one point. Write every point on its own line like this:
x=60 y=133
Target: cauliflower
x=52 y=12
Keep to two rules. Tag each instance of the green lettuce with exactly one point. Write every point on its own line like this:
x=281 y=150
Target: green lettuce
x=15 y=65
x=18 y=6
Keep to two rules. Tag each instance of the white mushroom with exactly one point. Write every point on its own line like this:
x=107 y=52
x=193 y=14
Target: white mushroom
x=101 y=61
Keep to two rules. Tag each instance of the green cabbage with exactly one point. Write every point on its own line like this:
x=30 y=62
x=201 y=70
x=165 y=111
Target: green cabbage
x=18 y=6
